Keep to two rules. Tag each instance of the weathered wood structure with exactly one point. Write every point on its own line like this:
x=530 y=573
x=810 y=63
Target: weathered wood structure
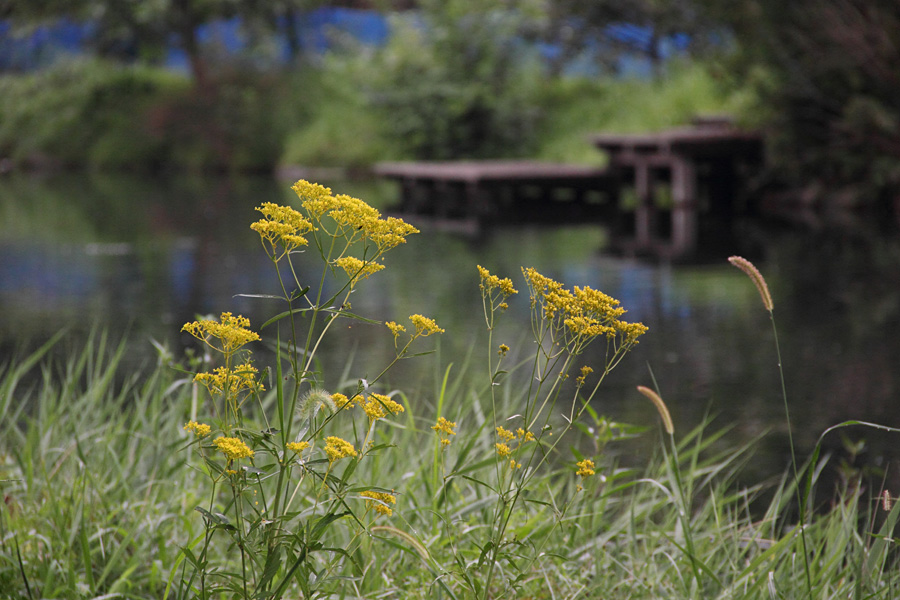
x=699 y=166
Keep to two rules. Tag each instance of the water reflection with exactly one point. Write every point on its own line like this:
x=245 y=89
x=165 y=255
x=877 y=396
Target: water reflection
x=146 y=255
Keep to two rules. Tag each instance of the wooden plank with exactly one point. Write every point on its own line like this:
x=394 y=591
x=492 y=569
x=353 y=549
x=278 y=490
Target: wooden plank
x=475 y=172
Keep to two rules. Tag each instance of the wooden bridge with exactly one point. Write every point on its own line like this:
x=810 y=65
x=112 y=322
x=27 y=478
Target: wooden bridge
x=658 y=194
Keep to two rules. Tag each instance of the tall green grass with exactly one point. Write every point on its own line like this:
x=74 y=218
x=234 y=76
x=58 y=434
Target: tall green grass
x=107 y=495
x=92 y=474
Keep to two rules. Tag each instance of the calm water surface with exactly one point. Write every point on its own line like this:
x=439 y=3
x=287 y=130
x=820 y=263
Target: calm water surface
x=142 y=256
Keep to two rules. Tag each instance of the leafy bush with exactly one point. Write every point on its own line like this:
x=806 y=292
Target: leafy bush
x=459 y=84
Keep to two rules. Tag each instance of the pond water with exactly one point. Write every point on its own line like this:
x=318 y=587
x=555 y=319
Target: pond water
x=142 y=256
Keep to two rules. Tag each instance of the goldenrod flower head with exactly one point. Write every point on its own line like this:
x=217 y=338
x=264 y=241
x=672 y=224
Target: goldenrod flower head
x=503 y=450
x=315 y=197
x=341 y=401
x=297 y=447
x=395 y=328
x=585 y=468
x=524 y=435
x=376 y=405
x=579 y=316
x=389 y=233
x=198 y=429
x=490 y=282
x=281 y=226
x=505 y=434
x=231 y=381
x=424 y=325
x=357 y=269
x=379 y=501
x=444 y=429
x=756 y=277
x=233 y=448
x=513 y=464
x=231 y=332
x=337 y=448
x=503 y=350
x=585 y=371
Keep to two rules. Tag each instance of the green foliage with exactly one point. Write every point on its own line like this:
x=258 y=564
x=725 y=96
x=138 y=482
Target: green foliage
x=458 y=83
x=826 y=73
x=96 y=114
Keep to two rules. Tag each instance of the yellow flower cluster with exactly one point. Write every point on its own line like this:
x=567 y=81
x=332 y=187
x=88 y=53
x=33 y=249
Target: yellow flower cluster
x=395 y=328
x=341 y=401
x=490 y=282
x=424 y=325
x=230 y=381
x=357 y=269
x=581 y=315
x=506 y=436
x=353 y=219
x=233 y=448
x=337 y=448
x=198 y=429
x=297 y=447
x=232 y=332
x=444 y=429
x=281 y=230
x=585 y=371
x=585 y=468
x=377 y=404
x=379 y=501
x=503 y=350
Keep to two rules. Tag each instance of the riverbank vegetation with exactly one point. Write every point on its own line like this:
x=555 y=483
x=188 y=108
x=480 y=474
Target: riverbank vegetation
x=222 y=473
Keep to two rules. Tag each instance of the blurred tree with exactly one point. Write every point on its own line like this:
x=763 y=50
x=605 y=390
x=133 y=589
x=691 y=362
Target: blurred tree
x=831 y=90
x=604 y=29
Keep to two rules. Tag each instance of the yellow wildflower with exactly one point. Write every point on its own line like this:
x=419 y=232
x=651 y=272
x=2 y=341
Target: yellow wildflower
x=524 y=435
x=585 y=468
x=395 y=328
x=281 y=226
x=233 y=448
x=297 y=447
x=585 y=371
x=490 y=282
x=379 y=501
x=513 y=464
x=503 y=350
x=376 y=405
x=230 y=381
x=357 y=269
x=505 y=434
x=341 y=401
x=198 y=429
x=444 y=429
x=424 y=325
x=503 y=450
x=232 y=332
x=337 y=448
x=317 y=200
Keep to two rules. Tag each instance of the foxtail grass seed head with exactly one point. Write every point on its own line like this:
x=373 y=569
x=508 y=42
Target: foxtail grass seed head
x=887 y=502
x=314 y=400
x=753 y=273
x=660 y=406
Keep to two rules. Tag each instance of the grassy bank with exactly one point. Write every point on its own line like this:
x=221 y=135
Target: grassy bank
x=212 y=475
x=346 y=112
